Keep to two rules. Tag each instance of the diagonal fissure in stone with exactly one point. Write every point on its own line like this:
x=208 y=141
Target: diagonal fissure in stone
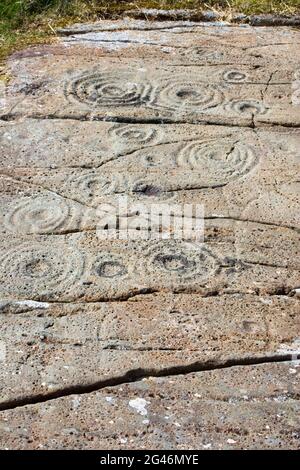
x=136 y=375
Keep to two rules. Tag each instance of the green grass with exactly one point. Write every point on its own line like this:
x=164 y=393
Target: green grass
x=27 y=22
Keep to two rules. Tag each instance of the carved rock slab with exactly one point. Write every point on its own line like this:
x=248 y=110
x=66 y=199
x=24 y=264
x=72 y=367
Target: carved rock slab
x=151 y=342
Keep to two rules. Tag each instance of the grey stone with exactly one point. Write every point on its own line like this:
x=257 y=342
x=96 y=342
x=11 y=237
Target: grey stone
x=274 y=20
x=174 y=15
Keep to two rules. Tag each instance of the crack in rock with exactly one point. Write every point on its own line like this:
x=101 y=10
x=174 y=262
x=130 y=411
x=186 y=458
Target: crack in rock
x=136 y=375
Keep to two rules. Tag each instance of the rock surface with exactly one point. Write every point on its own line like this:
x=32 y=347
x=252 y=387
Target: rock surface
x=115 y=342
x=253 y=407
x=51 y=344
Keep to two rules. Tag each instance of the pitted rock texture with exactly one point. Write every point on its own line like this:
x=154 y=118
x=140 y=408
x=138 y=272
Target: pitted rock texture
x=254 y=407
x=165 y=343
x=56 y=346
